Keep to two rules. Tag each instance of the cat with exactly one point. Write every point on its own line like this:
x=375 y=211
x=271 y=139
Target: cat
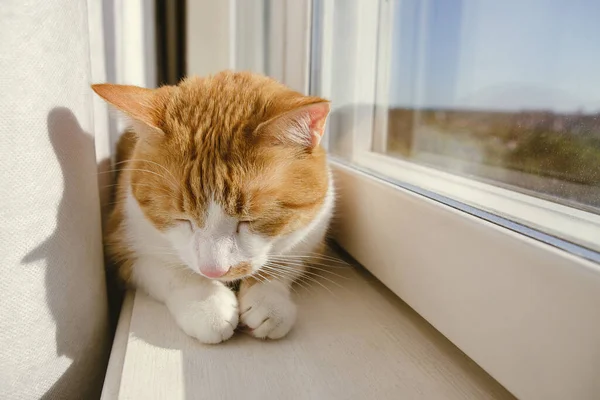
x=221 y=179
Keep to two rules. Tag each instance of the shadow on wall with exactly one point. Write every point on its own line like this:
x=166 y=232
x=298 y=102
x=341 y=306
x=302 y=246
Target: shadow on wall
x=75 y=283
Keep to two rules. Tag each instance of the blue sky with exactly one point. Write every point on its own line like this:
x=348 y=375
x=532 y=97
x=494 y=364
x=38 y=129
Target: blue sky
x=497 y=54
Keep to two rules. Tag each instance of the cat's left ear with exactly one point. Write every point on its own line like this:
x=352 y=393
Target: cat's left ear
x=304 y=126
x=140 y=104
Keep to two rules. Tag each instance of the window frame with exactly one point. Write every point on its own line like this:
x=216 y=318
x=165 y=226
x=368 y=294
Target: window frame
x=370 y=137
x=521 y=303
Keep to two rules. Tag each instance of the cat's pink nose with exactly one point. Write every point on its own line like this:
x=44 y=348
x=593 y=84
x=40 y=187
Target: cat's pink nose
x=214 y=272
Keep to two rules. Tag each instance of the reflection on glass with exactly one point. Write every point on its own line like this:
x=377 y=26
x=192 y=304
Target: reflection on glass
x=505 y=91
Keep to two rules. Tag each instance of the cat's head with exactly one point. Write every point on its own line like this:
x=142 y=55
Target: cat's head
x=228 y=168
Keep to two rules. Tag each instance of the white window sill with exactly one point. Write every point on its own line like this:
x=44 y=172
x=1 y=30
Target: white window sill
x=360 y=341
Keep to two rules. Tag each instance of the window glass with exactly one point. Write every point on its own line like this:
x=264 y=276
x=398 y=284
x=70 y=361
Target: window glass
x=507 y=92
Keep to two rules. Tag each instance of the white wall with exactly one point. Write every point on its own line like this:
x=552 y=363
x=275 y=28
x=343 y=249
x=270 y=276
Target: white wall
x=53 y=305
x=210 y=37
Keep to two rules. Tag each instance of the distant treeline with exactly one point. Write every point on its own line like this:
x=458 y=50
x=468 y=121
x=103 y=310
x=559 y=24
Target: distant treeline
x=561 y=146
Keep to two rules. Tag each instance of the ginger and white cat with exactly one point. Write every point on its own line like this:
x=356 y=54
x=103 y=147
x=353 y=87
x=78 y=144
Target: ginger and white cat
x=221 y=179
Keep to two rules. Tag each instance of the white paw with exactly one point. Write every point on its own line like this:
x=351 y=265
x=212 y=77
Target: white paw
x=268 y=310
x=208 y=312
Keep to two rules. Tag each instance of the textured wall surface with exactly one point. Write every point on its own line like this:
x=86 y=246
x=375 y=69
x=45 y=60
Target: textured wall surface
x=53 y=314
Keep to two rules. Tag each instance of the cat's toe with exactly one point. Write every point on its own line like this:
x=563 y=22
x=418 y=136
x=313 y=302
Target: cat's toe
x=211 y=320
x=266 y=312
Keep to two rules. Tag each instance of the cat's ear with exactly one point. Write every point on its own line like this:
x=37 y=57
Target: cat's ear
x=140 y=104
x=304 y=126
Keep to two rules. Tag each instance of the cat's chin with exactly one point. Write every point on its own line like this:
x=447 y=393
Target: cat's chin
x=228 y=280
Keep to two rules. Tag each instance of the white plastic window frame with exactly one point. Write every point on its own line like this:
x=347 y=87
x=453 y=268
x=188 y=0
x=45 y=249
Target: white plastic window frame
x=514 y=295
x=374 y=30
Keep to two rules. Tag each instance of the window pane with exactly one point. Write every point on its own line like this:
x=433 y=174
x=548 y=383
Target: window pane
x=506 y=92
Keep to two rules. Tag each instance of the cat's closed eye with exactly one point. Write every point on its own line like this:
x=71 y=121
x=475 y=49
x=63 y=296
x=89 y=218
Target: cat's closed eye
x=186 y=222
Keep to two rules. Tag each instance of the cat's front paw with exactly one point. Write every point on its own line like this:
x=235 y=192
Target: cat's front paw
x=267 y=309
x=208 y=313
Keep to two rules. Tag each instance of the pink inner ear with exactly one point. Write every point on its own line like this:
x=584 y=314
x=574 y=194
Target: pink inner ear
x=303 y=126
x=317 y=116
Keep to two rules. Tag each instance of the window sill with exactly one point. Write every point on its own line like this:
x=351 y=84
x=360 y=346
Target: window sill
x=525 y=311
x=357 y=341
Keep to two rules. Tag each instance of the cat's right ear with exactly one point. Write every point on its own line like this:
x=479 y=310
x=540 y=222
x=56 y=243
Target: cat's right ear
x=140 y=104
